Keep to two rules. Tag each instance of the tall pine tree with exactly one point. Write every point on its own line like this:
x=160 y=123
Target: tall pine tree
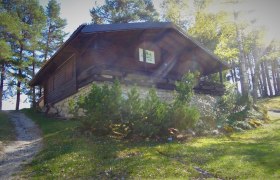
x=29 y=17
x=53 y=33
x=124 y=11
x=176 y=12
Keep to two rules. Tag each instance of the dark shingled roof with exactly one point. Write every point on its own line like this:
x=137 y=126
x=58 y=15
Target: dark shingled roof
x=97 y=28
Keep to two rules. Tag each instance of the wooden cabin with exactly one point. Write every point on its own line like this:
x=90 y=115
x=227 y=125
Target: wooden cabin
x=147 y=54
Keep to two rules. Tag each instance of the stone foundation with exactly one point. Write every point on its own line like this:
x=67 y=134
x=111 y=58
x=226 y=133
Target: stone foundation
x=205 y=103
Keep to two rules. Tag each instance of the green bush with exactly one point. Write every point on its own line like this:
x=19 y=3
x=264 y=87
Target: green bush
x=105 y=110
x=236 y=109
x=101 y=108
x=184 y=116
x=155 y=120
x=184 y=88
x=131 y=111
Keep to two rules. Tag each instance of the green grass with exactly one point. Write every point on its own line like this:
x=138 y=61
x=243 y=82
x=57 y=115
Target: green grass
x=250 y=155
x=271 y=103
x=6 y=130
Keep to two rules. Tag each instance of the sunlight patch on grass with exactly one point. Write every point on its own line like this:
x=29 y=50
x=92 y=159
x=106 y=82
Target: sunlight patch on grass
x=271 y=103
x=253 y=154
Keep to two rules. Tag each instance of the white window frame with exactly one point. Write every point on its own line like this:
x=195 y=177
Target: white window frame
x=147 y=56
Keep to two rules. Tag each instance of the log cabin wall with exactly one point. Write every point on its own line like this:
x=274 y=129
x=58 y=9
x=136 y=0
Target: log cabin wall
x=62 y=82
x=119 y=56
x=147 y=57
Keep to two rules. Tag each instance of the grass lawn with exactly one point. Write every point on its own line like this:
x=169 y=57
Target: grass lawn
x=253 y=154
x=271 y=103
x=6 y=130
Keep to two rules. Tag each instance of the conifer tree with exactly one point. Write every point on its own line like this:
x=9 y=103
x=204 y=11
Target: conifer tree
x=29 y=17
x=176 y=12
x=124 y=11
x=53 y=33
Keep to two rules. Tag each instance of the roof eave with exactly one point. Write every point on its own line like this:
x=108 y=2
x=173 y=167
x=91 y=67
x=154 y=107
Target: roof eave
x=36 y=79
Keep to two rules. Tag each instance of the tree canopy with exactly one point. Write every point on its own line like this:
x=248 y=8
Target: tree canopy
x=124 y=11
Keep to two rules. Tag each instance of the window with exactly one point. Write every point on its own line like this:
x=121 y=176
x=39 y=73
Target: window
x=146 y=56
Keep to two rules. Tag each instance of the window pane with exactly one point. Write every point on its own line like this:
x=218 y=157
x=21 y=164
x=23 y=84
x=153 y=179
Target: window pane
x=150 y=56
x=141 y=55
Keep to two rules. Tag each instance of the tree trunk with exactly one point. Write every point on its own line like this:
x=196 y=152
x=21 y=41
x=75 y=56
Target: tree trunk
x=19 y=76
x=47 y=45
x=18 y=89
x=265 y=94
x=232 y=77
x=40 y=91
x=33 y=88
x=235 y=77
x=243 y=75
x=255 y=82
x=255 y=75
x=275 y=87
x=260 y=84
x=251 y=75
x=268 y=78
x=2 y=84
x=277 y=76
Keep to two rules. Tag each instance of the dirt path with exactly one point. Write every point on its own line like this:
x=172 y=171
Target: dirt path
x=22 y=150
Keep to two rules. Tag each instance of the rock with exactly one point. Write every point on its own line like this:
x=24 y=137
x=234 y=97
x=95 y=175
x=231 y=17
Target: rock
x=44 y=109
x=215 y=132
x=191 y=132
x=52 y=111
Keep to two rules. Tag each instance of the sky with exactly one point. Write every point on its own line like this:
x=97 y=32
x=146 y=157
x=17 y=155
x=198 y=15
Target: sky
x=76 y=12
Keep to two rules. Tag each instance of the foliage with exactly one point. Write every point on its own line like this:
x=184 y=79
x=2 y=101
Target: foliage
x=228 y=102
x=53 y=33
x=184 y=116
x=176 y=12
x=124 y=11
x=107 y=111
x=184 y=88
x=236 y=110
x=155 y=119
x=253 y=154
x=101 y=107
x=27 y=33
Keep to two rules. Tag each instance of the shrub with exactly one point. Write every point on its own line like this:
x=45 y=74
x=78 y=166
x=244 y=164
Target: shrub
x=148 y=117
x=184 y=88
x=131 y=111
x=156 y=116
x=184 y=116
x=101 y=108
x=105 y=110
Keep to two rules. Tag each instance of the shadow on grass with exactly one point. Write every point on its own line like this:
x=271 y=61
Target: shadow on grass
x=7 y=131
x=253 y=154
x=67 y=154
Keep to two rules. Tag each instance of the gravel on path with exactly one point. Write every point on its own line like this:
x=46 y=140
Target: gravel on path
x=21 y=151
